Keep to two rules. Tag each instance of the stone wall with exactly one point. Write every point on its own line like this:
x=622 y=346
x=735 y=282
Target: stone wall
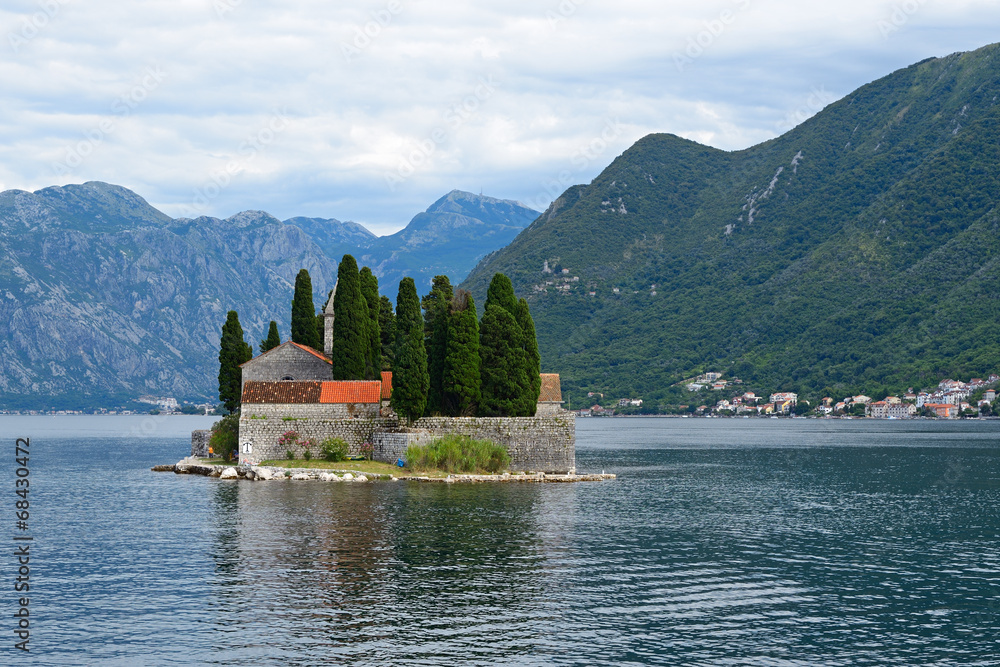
x=535 y=444
x=199 y=443
x=263 y=434
x=293 y=411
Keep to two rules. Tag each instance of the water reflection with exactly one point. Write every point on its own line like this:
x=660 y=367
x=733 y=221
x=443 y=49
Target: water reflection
x=337 y=568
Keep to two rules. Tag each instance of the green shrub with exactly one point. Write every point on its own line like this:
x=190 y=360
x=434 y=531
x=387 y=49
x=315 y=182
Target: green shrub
x=290 y=455
x=225 y=439
x=458 y=453
x=335 y=449
x=307 y=455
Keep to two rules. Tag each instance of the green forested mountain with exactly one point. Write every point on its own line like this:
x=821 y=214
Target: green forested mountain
x=859 y=250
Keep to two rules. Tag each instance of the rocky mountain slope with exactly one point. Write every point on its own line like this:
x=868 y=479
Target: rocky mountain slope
x=107 y=298
x=859 y=250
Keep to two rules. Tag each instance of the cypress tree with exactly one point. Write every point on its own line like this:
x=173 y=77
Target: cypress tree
x=351 y=358
x=502 y=367
x=407 y=311
x=233 y=351
x=304 y=313
x=532 y=360
x=436 y=306
x=369 y=289
x=273 y=339
x=410 y=381
x=462 y=363
x=387 y=330
x=501 y=293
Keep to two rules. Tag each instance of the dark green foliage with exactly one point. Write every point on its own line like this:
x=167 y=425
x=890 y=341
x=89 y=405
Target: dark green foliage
x=461 y=381
x=407 y=310
x=304 y=313
x=436 y=305
x=502 y=368
x=351 y=343
x=273 y=339
x=334 y=449
x=387 y=331
x=458 y=454
x=233 y=351
x=225 y=438
x=410 y=381
x=869 y=260
x=532 y=361
x=369 y=289
x=501 y=293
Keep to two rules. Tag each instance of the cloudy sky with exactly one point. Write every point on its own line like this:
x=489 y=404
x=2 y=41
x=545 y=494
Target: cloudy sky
x=371 y=110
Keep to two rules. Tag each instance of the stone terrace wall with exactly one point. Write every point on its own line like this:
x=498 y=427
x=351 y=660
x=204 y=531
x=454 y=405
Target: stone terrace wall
x=535 y=444
x=265 y=433
x=293 y=411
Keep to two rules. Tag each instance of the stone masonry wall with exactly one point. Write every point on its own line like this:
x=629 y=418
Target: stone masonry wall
x=535 y=444
x=287 y=361
x=199 y=443
x=292 y=411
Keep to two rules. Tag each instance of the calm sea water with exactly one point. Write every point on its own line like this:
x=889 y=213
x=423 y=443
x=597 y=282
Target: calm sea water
x=792 y=542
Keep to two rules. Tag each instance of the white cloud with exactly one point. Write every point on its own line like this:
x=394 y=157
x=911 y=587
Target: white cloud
x=363 y=88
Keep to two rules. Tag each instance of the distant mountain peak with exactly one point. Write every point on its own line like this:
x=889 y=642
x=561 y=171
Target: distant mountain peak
x=251 y=218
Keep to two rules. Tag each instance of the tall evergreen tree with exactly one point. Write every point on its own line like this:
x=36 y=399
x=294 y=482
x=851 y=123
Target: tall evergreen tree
x=462 y=362
x=410 y=381
x=502 y=367
x=436 y=305
x=304 y=313
x=387 y=330
x=273 y=339
x=532 y=360
x=351 y=357
x=369 y=289
x=407 y=310
x=233 y=351
x=501 y=293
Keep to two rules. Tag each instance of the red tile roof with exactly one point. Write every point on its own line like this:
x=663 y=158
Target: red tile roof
x=351 y=392
x=551 y=390
x=386 y=385
x=256 y=391
x=299 y=393
x=304 y=348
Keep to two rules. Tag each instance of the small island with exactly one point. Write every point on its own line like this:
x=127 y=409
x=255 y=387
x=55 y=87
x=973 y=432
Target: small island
x=386 y=387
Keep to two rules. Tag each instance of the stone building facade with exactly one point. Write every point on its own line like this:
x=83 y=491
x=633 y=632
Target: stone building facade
x=289 y=362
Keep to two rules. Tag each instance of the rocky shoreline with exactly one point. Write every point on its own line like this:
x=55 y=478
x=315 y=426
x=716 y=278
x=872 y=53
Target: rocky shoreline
x=193 y=466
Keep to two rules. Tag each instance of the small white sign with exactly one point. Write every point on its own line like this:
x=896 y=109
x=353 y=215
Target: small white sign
x=247 y=447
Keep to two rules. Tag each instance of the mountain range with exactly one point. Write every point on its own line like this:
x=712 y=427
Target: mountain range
x=858 y=251
x=108 y=299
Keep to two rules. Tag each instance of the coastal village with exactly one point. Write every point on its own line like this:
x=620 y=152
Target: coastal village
x=950 y=399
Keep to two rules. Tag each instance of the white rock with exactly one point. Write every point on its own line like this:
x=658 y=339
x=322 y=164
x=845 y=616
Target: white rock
x=361 y=478
x=229 y=473
x=348 y=477
x=299 y=476
x=263 y=474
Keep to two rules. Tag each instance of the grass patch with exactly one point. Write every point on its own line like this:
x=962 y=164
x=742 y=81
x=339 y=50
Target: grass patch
x=458 y=454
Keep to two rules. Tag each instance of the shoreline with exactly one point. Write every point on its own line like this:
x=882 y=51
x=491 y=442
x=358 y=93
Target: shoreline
x=190 y=466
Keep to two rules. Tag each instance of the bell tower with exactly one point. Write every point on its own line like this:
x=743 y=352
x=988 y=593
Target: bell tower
x=328 y=324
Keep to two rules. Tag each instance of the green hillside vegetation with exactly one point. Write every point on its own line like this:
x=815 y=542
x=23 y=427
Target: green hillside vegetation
x=857 y=252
